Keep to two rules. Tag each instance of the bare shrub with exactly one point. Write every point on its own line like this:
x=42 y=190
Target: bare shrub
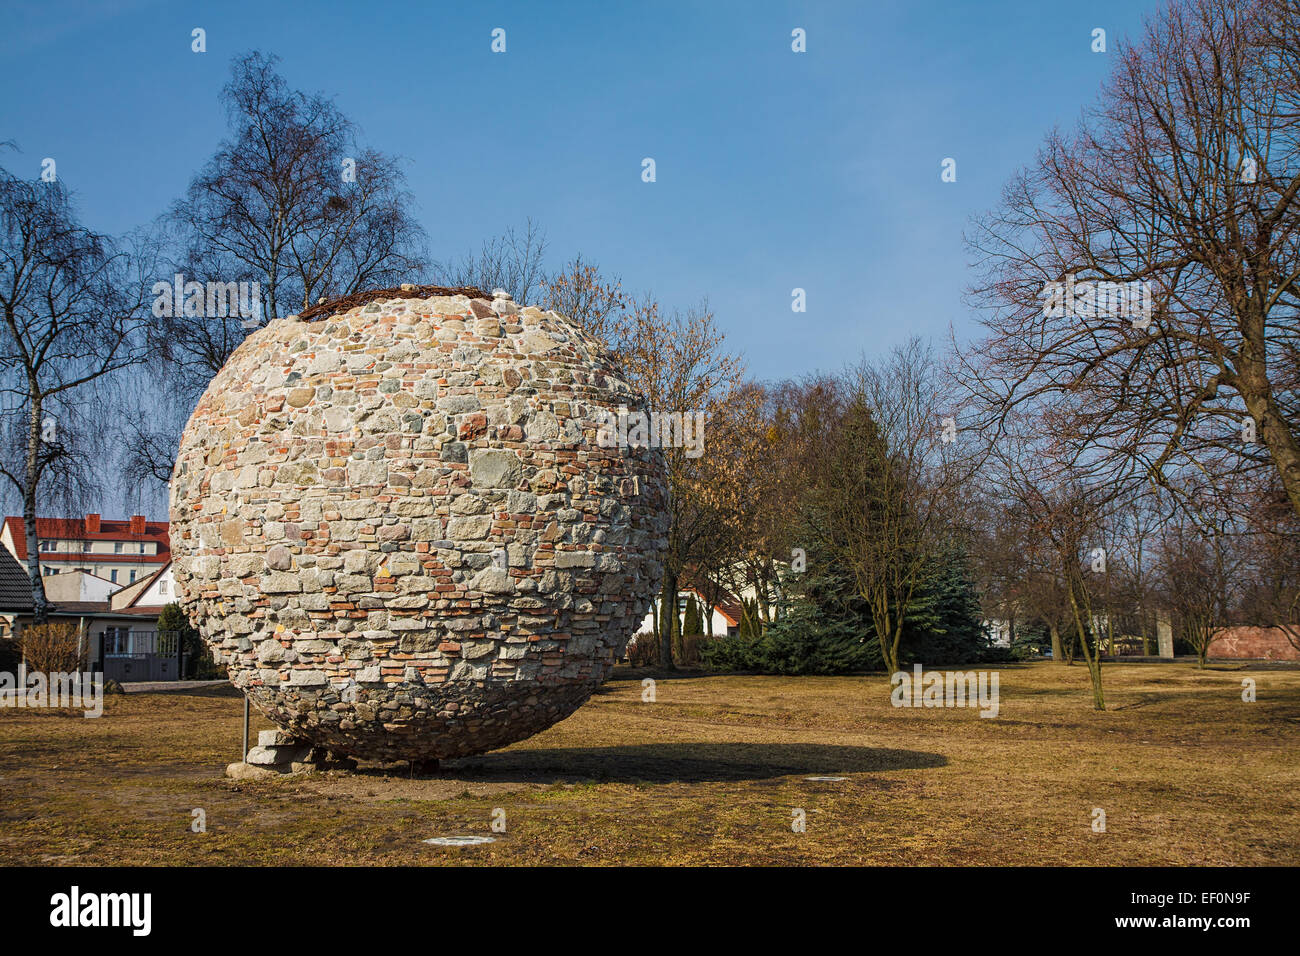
x=642 y=652
x=53 y=647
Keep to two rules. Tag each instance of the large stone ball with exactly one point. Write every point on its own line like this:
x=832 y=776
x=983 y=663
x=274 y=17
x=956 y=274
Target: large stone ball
x=393 y=521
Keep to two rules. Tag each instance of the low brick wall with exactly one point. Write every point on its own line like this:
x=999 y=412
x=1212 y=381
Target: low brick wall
x=1253 y=643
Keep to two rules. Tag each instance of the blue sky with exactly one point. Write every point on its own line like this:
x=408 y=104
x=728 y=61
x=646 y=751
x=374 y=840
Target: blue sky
x=775 y=170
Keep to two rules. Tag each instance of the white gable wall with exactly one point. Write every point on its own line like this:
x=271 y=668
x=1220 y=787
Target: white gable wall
x=162 y=591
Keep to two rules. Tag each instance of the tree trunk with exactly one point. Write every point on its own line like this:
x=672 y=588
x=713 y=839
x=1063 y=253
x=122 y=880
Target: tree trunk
x=1260 y=397
x=40 y=606
x=668 y=621
x=1057 y=653
x=656 y=612
x=1091 y=657
x=889 y=651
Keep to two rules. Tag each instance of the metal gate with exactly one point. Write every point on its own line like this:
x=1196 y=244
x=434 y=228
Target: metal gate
x=140 y=655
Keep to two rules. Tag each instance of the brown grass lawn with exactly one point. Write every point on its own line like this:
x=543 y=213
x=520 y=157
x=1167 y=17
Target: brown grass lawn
x=710 y=773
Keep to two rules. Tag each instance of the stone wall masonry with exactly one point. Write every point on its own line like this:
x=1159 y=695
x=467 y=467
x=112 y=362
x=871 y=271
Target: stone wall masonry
x=395 y=527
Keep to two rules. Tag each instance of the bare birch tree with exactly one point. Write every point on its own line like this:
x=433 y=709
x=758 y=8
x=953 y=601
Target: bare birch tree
x=290 y=200
x=74 y=315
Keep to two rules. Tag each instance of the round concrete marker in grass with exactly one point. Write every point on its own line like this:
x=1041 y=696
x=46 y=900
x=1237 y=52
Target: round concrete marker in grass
x=460 y=840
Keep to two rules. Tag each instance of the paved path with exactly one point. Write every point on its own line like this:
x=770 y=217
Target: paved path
x=163 y=686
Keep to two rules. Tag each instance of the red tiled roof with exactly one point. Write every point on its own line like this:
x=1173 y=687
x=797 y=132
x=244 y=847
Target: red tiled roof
x=728 y=605
x=731 y=612
x=74 y=529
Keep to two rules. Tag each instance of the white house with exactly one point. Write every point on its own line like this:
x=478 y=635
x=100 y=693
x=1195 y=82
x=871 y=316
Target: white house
x=152 y=593
x=120 y=551
x=66 y=586
x=725 y=617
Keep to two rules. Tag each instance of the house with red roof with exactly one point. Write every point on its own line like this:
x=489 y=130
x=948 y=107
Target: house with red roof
x=723 y=614
x=121 y=552
x=111 y=578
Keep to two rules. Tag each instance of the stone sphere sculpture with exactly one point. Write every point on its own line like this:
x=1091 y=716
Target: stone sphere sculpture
x=394 y=521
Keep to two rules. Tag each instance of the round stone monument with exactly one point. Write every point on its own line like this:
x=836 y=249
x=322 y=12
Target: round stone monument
x=396 y=521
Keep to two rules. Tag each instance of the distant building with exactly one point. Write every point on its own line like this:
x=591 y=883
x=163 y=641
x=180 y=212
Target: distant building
x=719 y=619
x=120 y=552
x=1000 y=631
x=725 y=614
x=78 y=585
x=118 y=624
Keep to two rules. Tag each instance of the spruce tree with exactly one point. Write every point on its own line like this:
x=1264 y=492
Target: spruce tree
x=694 y=623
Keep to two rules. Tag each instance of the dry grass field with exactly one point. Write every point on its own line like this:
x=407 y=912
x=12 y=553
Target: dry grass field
x=710 y=773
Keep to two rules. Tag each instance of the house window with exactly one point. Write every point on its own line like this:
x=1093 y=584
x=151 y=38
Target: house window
x=47 y=545
x=86 y=545
x=117 y=547
x=162 y=586
x=112 y=575
x=132 y=577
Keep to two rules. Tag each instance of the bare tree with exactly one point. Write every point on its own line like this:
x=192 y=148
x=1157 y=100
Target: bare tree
x=680 y=364
x=744 y=517
x=581 y=292
x=291 y=201
x=1139 y=519
x=513 y=261
x=73 y=317
x=1196 y=574
x=1064 y=522
x=888 y=479
x=1267 y=582
x=1141 y=273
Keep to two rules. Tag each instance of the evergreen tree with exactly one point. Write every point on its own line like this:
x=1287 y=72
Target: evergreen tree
x=197 y=659
x=947 y=625
x=823 y=628
x=694 y=623
x=826 y=628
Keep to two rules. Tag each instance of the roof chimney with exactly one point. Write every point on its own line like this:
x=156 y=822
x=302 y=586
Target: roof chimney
x=92 y=524
x=137 y=524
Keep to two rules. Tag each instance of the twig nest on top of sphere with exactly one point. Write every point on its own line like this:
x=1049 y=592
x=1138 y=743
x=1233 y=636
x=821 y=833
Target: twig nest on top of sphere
x=392 y=520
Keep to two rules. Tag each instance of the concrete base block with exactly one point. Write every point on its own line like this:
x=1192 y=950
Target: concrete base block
x=275 y=761
x=272 y=756
x=278 y=738
x=248 y=771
